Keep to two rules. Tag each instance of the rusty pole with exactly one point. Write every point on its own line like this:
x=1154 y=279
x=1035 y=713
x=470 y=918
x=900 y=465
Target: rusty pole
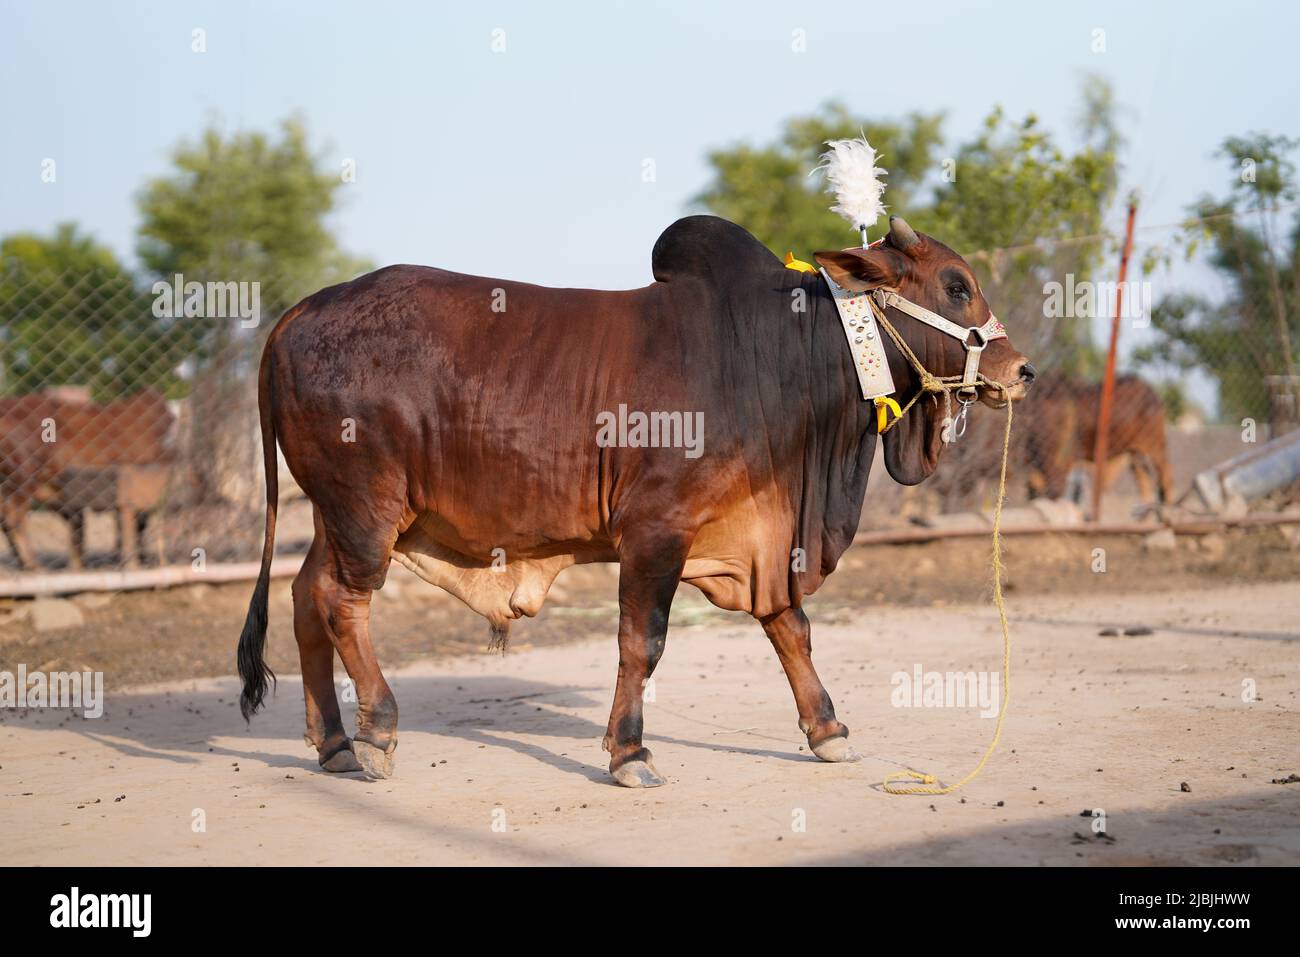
x=1108 y=383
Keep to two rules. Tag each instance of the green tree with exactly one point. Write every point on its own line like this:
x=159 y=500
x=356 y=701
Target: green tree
x=768 y=190
x=239 y=208
x=1002 y=199
x=1245 y=340
x=71 y=314
x=246 y=208
x=1016 y=206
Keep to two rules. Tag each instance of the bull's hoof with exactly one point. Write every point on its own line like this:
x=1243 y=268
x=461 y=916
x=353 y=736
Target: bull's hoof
x=637 y=774
x=341 y=762
x=835 y=750
x=375 y=762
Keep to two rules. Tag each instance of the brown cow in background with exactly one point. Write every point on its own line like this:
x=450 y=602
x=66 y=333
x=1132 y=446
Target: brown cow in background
x=69 y=454
x=1062 y=433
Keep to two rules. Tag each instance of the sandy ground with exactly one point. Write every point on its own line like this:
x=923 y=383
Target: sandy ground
x=500 y=758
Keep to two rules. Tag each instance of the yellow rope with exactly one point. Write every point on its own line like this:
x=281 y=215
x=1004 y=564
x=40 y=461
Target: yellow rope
x=928 y=781
x=931 y=385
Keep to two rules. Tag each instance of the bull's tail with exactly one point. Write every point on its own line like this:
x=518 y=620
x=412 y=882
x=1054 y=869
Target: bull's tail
x=252 y=642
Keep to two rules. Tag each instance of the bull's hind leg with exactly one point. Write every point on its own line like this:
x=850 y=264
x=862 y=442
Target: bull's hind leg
x=341 y=589
x=316 y=652
x=791 y=635
x=648 y=578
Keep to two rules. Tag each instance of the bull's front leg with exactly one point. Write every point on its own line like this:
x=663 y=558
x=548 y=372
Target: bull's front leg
x=791 y=635
x=648 y=578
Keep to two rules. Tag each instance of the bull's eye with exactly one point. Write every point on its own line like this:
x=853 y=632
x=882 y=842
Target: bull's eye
x=959 y=292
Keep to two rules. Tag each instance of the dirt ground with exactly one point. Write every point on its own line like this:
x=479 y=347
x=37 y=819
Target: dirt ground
x=500 y=758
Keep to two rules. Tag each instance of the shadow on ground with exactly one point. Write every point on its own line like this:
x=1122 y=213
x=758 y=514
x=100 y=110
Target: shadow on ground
x=489 y=711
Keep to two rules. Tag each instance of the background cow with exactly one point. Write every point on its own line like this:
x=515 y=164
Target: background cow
x=1062 y=434
x=427 y=425
x=70 y=455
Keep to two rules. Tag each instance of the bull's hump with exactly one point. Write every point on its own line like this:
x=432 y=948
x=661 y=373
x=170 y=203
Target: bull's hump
x=709 y=247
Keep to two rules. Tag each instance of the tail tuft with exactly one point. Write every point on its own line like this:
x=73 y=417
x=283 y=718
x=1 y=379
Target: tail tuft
x=253 y=669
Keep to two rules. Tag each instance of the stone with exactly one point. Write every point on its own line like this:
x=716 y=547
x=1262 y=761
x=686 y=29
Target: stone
x=1058 y=511
x=52 y=614
x=1162 y=540
x=12 y=612
x=91 y=600
x=1215 y=546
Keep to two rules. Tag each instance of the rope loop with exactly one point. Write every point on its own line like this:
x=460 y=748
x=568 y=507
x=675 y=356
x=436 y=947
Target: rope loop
x=929 y=781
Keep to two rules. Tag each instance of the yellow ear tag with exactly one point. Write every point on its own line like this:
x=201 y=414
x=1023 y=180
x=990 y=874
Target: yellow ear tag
x=884 y=404
x=799 y=264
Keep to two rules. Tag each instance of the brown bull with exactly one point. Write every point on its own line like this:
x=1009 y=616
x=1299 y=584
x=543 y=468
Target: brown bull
x=484 y=434
x=1062 y=433
x=70 y=455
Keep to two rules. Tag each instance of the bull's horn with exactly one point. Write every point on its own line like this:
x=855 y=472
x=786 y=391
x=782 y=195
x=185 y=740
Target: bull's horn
x=901 y=235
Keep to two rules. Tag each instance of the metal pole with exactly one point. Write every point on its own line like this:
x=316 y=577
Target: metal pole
x=1108 y=383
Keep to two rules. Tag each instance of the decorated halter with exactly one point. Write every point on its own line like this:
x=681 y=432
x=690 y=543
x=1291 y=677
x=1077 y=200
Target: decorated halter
x=854 y=178
x=972 y=338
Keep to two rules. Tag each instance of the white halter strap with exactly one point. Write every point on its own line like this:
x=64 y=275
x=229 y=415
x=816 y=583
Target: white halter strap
x=868 y=350
x=972 y=338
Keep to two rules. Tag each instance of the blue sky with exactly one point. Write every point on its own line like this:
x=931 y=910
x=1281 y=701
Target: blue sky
x=528 y=163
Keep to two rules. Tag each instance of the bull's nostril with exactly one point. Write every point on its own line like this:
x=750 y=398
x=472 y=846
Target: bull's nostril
x=1028 y=373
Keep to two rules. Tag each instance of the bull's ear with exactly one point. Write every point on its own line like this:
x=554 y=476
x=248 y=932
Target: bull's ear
x=861 y=269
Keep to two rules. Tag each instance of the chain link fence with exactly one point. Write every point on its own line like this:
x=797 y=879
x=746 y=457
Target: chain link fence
x=129 y=431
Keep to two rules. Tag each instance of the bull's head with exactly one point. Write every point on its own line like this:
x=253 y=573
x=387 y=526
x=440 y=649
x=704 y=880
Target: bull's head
x=925 y=271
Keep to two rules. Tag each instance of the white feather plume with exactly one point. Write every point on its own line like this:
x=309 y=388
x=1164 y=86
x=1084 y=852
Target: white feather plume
x=855 y=180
